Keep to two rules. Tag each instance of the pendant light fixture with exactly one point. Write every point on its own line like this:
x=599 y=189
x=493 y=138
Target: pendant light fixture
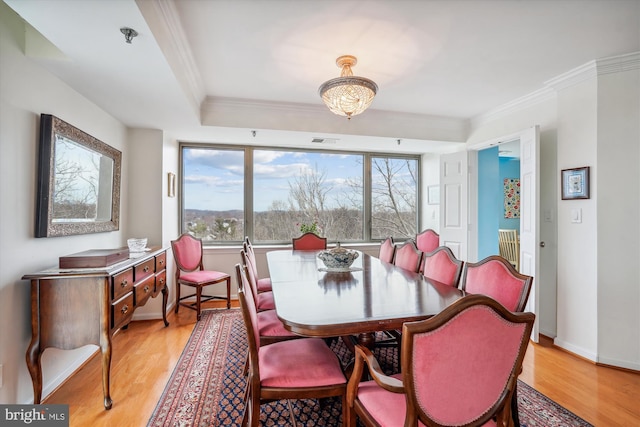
x=348 y=95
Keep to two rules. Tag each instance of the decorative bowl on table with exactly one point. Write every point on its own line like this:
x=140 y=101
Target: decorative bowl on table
x=137 y=245
x=338 y=258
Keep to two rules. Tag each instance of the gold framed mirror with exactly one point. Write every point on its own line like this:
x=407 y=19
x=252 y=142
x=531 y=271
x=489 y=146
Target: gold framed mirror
x=78 y=181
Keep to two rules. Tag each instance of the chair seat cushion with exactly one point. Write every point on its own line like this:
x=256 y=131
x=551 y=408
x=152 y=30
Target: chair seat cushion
x=203 y=276
x=264 y=284
x=270 y=326
x=265 y=301
x=306 y=362
x=387 y=408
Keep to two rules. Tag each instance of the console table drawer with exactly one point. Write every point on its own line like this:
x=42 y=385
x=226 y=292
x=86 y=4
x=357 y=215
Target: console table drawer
x=144 y=290
x=144 y=270
x=161 y=261
x=122 y=283
x=122 y=310
x=161 y=282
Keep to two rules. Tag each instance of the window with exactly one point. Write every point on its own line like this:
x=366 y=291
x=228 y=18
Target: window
x=394 y=201
x=213 y=194
x=272 y=195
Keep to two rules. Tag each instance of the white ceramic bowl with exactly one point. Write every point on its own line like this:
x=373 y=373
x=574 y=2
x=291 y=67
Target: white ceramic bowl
x=137 y=245
x=338 y=259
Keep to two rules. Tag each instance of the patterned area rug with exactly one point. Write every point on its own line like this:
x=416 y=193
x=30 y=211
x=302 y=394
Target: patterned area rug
x=207 y=386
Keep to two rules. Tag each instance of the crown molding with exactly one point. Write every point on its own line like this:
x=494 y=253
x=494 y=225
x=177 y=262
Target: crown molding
x=590 y=70
x=593 y=69
x=168 y=29
x=236 y=112
x=516 y=105
x=573 y=77
x=618 y=64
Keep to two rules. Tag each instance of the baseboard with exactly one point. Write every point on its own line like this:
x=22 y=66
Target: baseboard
x=152 y=316
x=578 y=351
x=623 y=365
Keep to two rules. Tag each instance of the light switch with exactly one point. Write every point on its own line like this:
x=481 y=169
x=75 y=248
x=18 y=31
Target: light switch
x=548 y=216
x=576 y=215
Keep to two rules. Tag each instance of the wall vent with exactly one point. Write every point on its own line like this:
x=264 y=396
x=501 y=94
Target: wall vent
x=324 y=140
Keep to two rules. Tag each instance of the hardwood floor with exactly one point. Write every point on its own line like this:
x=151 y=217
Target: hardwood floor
x=145 y=354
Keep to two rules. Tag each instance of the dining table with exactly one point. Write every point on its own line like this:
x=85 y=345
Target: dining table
x=372 y=295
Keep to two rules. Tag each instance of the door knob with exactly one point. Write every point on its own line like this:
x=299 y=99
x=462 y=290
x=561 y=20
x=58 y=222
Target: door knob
x=542 y=244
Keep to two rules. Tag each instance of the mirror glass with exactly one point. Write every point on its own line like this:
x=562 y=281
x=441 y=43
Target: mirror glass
x=79 y=182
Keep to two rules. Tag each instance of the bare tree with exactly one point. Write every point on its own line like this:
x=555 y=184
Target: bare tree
x=393 y=197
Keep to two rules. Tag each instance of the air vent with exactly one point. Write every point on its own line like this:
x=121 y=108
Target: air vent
x=324 y=140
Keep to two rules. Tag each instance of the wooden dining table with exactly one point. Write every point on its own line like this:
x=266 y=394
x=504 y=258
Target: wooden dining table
x=373 y=296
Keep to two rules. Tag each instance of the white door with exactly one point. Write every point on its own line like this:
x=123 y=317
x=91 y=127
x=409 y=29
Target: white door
x=454 y=202
x=529 y=221
x=529 y=207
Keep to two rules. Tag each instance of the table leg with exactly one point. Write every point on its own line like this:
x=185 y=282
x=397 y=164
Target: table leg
x=165 y=297
x=35 y=369
x=105 y=347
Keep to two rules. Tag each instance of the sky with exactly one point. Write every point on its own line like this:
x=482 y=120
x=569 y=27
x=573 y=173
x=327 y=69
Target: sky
x=214 y=179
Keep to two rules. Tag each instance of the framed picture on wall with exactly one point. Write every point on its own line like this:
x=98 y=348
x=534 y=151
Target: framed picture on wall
x=433 y=195
x=575 y=183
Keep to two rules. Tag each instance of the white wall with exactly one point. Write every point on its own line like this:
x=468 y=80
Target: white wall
x=147 y=188
x=430 y=174
x=577 y=242
x=26 y=91
x=618 y=208
x=593 y=120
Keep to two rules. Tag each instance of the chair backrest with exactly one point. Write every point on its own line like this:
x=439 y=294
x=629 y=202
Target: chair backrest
x=494 y=276
x=250 y=316
x=309 y=242
x=461 y=366
x=387 y=250
x=427 y=240
x=187 y=251
x=509 y=246
x=248 y=248
x=408 y=256
x=442 y=265
x=252 y=279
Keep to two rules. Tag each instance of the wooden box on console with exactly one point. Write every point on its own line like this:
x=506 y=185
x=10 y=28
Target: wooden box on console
x=94 y=258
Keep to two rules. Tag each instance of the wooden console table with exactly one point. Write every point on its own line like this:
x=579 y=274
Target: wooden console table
x=75 y=307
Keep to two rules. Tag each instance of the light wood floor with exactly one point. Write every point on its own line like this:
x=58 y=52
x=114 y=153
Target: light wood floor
x=145 y=354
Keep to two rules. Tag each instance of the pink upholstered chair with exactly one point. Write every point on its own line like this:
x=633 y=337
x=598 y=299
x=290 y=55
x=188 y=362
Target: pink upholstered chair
x=264 y=300
x=427 y=240
x=187 y=252
x=270 y=328
x=264 y=284
x=494 y=276
x=408 y=256
x=309 y=242
x=387 y=250
x=458 y=368
x=305 y=368
x=442 y=265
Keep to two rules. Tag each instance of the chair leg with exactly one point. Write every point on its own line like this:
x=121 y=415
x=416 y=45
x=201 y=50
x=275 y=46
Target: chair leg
x=514 y=408
x=177 y=297
x=228 y=293
x=346 y=412
x=198 y=300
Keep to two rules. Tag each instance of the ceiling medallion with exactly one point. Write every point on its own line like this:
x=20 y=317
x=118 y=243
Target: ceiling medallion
x=348 y=95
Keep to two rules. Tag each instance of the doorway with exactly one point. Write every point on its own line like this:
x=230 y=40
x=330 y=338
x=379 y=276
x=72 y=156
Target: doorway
x=498 y=194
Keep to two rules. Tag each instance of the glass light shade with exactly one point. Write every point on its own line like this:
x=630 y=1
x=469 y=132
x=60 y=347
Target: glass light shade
x=348 y=95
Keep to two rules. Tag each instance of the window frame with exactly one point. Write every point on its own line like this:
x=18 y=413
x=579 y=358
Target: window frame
x=248 y=151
